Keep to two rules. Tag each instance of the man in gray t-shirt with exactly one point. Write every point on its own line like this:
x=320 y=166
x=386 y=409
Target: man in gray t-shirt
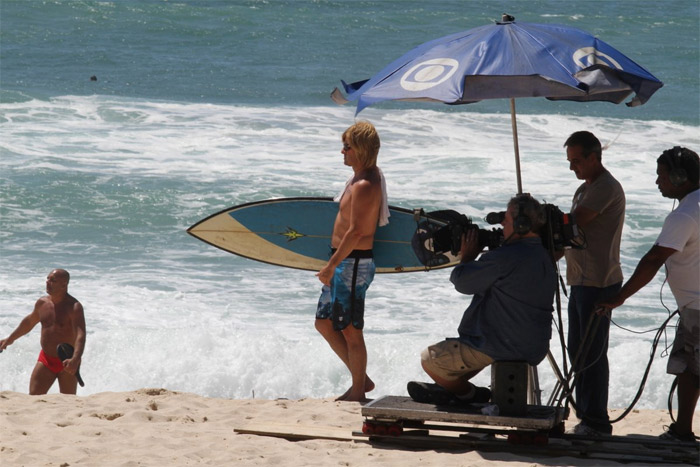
x=594 y=275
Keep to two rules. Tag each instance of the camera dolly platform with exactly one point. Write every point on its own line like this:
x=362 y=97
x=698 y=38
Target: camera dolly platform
x=401 y=421
x=390 y=415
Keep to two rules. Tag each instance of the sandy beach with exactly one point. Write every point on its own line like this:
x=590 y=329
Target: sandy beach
x=158 y=427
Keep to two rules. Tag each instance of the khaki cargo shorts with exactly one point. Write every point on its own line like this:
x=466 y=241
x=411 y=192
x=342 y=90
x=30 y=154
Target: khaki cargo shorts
x=452 y=359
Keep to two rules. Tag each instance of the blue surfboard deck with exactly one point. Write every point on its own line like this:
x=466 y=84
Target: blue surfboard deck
x=296 y=233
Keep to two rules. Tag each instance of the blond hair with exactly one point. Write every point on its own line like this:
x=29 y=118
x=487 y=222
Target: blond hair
x=363 y=138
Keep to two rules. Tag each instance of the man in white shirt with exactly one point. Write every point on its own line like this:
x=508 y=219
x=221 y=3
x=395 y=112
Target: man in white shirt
x=678 y=246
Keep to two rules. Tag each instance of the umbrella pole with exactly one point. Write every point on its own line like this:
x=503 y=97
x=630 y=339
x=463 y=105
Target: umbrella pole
x=515 y=145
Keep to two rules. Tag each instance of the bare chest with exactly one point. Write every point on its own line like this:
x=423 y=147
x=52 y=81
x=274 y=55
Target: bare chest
x=55 y=316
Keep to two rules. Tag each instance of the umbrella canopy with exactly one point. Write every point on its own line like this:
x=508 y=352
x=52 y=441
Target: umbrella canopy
x=508 y=60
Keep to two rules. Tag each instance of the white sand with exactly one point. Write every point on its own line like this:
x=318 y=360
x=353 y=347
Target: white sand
x=157 y=427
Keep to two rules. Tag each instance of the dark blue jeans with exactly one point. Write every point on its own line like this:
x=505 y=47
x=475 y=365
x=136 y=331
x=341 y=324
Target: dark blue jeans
x=593 y=374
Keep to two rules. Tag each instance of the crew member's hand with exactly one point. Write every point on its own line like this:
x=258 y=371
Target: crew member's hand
x=605 y=307
x=4 y=343
x=326 y=274
x=470 y=246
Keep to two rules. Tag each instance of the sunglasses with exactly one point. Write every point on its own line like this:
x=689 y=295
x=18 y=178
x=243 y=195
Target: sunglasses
x=346 y=147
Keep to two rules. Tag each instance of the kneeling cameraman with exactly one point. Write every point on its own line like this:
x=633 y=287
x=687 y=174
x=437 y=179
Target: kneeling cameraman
x=510 y=315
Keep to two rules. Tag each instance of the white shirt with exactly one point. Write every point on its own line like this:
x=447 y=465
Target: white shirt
x=681 y=232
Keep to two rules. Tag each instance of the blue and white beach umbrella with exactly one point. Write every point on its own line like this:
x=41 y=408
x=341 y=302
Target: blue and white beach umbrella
x=508 y=60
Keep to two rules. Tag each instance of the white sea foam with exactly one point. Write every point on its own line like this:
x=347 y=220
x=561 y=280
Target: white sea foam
x=106 y=187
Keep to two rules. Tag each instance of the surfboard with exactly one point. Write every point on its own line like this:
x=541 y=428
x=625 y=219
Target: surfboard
x=296 y=233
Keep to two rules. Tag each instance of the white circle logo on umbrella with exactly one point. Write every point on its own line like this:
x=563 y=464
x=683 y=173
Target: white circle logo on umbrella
x=428 y=74
x=592 y=56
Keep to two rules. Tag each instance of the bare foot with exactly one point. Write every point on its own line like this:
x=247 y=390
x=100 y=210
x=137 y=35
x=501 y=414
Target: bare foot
x=369 y=386
x=351 y=398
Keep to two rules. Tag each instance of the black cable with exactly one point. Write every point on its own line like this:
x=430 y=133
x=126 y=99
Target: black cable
x=646 y=372
x=655 y=343
x=632 y=330
x=670 y=398
x=659 y=332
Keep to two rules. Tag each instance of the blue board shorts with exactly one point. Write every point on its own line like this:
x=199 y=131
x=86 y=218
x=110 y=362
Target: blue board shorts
x=344 y=301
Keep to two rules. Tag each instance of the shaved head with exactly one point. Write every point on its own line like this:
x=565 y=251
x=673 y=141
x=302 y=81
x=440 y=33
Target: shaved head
x=61 y=274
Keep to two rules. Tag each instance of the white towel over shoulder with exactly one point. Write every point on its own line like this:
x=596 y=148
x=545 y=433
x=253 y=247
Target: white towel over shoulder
x=383 y=209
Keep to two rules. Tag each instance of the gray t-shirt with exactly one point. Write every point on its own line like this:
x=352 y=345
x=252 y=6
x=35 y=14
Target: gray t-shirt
x=598 y=265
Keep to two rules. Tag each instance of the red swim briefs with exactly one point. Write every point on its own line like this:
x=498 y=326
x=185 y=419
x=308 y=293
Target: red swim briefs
x=54 y=364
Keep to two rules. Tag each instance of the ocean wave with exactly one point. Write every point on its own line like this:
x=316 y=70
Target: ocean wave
x=106 y=186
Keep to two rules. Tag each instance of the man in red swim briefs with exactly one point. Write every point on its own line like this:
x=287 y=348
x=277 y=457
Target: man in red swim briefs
x=62 y=321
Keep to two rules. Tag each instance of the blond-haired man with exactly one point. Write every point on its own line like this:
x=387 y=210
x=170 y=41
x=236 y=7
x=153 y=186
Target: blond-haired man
x=350 y=269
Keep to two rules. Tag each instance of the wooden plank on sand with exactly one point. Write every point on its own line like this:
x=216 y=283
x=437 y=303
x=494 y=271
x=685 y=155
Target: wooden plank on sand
x=298 y=432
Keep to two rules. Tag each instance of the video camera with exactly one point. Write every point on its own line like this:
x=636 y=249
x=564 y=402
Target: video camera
x=559 y=231
x=439 y=243
x=438 y=240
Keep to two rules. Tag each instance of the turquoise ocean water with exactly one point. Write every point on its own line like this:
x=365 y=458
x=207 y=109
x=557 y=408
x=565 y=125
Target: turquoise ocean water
x=201 y=105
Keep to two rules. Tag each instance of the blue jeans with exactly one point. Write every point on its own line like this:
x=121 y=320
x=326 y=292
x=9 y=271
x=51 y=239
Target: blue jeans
x=593 y=374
